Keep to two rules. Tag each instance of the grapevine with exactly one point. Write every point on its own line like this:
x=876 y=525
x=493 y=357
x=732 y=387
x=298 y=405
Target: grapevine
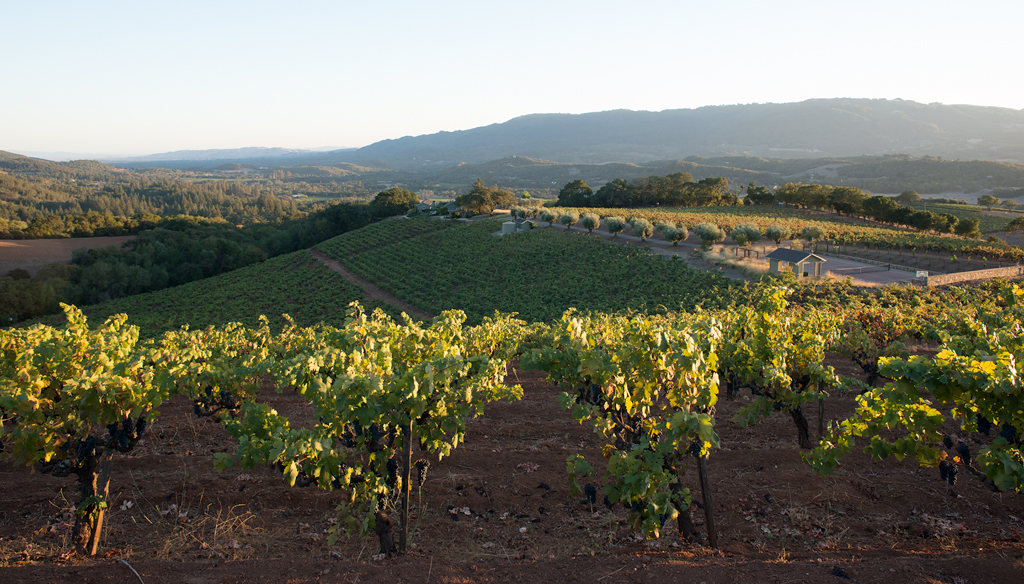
x=376 y=387
x=974 y=376
x=648 y=387
x=74 y=397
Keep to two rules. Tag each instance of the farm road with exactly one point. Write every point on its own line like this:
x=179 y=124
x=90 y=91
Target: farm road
x=371 y=291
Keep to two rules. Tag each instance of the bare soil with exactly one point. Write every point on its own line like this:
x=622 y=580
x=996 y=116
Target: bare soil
x=498 y=510
x=32 y=254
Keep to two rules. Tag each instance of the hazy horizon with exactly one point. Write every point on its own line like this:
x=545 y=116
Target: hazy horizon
x=122 y=79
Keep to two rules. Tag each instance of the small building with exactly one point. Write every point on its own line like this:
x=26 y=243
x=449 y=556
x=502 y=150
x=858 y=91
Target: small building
x=782 y=258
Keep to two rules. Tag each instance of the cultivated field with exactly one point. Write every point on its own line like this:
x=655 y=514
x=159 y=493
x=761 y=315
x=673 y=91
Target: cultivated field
x=32 y=254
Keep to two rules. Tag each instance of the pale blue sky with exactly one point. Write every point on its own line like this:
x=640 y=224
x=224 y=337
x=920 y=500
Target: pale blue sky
x=145 y=77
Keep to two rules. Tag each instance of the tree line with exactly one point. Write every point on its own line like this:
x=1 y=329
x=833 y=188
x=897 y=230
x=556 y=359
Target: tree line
x=176 y=250
x=675 y=190
x=680 y=190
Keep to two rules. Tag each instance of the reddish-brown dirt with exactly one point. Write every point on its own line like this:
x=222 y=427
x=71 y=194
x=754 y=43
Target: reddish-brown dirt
x=32 y=254
x=498 y=510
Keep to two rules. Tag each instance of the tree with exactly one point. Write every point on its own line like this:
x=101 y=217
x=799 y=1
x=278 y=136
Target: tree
x=908 y=197
x=709 y=233
x=394 y=201
x=944 y=222
x=615 y=225
x=676 y=234
x=847 y=200
x=576 y=194
x=988 y=201
x=777 y=233
x=1009 y=204
x=548 y=217
x=817 y=196
x=745 y=233
x=968 y=228
x=569 y=218
x=618 y=193
x=711 y=191
x=759 y=195
x=922 y=220
x=789 y=194
x=485 y=199
x=591 y=221
x=812 y=233
x=879 y=207
x=1015 y=225
x=642 y=228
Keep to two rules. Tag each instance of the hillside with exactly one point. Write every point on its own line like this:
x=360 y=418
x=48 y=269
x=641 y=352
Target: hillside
x=813 y=128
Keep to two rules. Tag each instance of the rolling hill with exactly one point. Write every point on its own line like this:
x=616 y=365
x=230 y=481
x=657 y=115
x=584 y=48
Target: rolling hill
x=815 y=128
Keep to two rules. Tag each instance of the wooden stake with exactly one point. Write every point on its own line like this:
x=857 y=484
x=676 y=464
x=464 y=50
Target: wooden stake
x=705 y=487
x=403 y=537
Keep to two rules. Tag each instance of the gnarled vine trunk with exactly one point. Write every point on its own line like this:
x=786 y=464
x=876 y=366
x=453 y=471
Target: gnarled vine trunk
x=94 y=479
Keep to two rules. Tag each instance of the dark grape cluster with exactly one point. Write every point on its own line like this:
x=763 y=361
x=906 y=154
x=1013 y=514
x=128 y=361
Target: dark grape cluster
x=421 y=471
x=984 y=425
x=355 y=431
x=591 y=493
x=590 y=394
x=214 y=404
x=964 y=452
x=948 y=472
x=1008 y=433
x=947 y=441
x=125 y=434
x=695 y=447
x=392 y=478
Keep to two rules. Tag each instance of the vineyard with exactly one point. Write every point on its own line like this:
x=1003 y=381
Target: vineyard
x=538 y=277
x=837 y=231
x=674 y=423
x=293 y=283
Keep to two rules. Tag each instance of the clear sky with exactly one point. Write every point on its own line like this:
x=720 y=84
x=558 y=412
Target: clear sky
x=142 y=77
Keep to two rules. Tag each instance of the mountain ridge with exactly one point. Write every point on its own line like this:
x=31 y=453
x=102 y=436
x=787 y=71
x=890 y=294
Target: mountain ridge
x=814 y=128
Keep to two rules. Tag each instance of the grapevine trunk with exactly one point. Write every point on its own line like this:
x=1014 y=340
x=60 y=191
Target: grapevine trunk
x=94 y=479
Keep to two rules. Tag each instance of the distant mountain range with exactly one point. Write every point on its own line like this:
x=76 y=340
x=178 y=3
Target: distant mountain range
x=817 y=128
x=226 y=154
